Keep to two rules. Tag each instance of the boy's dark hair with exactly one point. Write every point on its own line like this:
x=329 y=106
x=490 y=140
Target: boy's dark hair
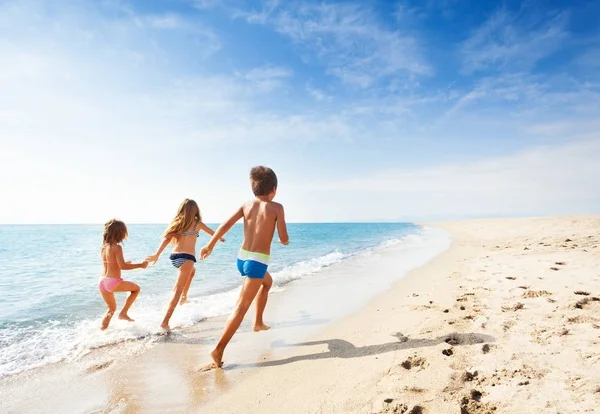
x=263 y=180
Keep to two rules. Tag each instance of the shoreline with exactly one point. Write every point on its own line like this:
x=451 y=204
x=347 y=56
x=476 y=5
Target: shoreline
x=451 y=337
x=297 y=312
x=504 y=321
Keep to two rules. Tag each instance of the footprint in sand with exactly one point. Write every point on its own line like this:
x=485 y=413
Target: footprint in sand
x=398 y=407
x=581 y=303
x=517 y=306
x=471 y=404
x=466 y=339
x=414 y=362
x=98 y=367
x=535 y=294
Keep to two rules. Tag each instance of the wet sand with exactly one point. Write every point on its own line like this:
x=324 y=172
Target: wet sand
x=506 y=321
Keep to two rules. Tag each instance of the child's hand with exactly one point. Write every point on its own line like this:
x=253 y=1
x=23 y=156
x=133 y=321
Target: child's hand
x=205 y=252
x=144 y=264
x=152 y=259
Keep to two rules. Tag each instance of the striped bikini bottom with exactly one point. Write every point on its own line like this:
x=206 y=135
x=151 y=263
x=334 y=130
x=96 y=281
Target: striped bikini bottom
x=178 y=259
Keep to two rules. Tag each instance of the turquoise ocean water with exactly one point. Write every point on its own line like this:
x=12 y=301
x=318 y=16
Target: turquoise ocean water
x=50 y=307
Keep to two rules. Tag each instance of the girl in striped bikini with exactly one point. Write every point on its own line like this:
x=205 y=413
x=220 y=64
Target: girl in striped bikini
x=182 y=233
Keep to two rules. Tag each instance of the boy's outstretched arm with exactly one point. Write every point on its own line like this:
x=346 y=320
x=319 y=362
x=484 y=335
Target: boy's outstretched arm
x=223 y=228
x=209 y=230
x=284 y=238
x=155 y=256
x=123 y=265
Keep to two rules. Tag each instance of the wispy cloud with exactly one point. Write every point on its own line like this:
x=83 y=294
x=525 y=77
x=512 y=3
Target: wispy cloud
x=267 y=78
x=347 y=38
x=541 y=180
x=509 y=40
x=318 y=94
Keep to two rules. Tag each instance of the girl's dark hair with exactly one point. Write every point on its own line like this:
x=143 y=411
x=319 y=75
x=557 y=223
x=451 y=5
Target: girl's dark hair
x=115 y=231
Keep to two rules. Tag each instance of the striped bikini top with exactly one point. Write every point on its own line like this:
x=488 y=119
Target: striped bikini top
x=191 y=233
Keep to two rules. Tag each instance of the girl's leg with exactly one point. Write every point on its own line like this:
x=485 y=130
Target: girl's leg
x=187 y=287
x=111 y=304
x=261 y=303
x=249 y=290
x=182 y=277
x=135 y=291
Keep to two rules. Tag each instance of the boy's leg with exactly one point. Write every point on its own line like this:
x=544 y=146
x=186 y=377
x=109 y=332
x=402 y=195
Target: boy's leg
x=182 y=277
x=261 y=303
x=247 y=295
x=111 y=304
x=187 y=287
x=135 y=291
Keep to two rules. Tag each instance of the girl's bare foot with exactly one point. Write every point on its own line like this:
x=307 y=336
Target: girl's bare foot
x=183 y=301
x=261 y=327
x=106 y=320
x=125 y=317
x=217 y=357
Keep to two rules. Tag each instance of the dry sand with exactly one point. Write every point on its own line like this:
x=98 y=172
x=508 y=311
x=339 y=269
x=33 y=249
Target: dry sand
x=506 y=321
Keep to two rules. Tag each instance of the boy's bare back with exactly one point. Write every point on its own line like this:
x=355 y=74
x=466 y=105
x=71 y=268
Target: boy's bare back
x=260 y=219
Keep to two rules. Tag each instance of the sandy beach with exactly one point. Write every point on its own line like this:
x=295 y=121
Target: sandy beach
x=507 y=320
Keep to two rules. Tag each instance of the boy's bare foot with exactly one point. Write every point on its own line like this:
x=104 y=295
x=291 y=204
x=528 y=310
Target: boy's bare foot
x=183 y=301
x=261 y=327
x=125 y=317
x=217 y=357
x=166 y=327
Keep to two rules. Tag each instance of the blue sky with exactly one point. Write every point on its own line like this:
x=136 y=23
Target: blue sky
x=367 y=110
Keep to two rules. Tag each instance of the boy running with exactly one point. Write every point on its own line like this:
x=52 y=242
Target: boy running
x=261 y=216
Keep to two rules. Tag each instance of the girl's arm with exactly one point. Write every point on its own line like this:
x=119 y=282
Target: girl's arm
x=223 y=228
x=208 y=230
x=123 y=265
x=155 y=256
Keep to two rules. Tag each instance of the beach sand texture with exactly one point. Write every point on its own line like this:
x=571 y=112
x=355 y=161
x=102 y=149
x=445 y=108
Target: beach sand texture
x=506 y=321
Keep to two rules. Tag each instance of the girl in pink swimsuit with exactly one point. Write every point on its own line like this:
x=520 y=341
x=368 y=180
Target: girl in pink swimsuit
x=113 y=262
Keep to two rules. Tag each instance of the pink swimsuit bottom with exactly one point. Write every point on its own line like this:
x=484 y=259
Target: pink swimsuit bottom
x=107 y=284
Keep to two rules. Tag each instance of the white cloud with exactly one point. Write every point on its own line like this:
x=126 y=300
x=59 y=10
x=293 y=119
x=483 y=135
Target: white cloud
x=510 y=41
x=318 y=94
x=347 y=39
x=267 y=78
x=543 y=180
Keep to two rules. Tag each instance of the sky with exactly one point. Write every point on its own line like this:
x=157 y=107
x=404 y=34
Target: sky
x=366 y=110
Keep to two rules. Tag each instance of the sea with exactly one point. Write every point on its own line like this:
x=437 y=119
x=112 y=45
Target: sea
x=50 y=307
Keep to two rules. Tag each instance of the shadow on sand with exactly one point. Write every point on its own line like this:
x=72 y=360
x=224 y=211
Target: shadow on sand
x=339 y=348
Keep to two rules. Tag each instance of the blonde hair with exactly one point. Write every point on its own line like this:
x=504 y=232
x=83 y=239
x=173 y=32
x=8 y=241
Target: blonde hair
x=188 y=214
x=115 y=231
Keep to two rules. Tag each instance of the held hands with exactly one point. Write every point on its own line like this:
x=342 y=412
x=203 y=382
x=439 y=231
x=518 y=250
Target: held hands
x=205 y=252
x=144 y=264
x=151 y=259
